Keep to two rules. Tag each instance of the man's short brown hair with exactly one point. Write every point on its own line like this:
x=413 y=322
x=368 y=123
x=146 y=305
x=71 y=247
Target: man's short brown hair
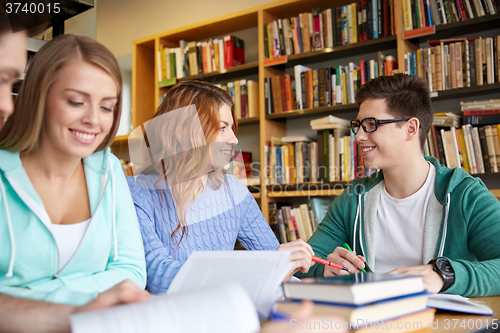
x=406 y=96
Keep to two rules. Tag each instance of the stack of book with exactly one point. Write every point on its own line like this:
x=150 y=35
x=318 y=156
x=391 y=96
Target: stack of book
x=424 y=13
x=290 y=223
x=245 y=96
x=474 y=149
x=311 y=88
x=292 y=159
x=322 y=29
x=192 y=58
x=456 y=63
x=367 y=301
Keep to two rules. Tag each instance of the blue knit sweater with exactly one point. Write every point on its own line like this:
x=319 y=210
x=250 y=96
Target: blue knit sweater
x=215 y=220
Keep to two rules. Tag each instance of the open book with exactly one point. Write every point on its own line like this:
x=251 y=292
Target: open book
x=219 y=308
x=222 y=291
x=260 y=273
x=457 y=303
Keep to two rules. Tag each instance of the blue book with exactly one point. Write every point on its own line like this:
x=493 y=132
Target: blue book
x=355 y=289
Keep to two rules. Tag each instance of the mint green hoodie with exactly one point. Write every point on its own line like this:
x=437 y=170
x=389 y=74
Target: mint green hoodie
x=110 y=252
x=462 y=224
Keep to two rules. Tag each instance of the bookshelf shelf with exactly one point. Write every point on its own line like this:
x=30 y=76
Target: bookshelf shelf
x=343 y=51
x=314 y=111
x=464 y=92
x=248 y=121
x=304 y=193
x=228 y=73
x=146 y=93
x=469 y=26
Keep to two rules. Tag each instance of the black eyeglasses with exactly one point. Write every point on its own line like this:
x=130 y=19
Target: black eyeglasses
x=371 y=124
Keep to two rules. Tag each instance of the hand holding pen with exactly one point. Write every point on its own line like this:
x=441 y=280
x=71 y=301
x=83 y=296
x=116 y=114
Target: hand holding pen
x=347 y=258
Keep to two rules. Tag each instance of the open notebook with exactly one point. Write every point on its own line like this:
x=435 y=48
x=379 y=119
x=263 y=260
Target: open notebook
x=457 y=303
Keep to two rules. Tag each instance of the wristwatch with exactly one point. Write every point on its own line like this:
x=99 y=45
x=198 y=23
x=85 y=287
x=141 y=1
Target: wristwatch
x=443 y=268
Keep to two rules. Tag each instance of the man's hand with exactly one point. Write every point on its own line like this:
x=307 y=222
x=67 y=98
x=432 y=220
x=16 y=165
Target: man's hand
x=345 y=258
x=122 y=293
x=301 y=256
x=432 y=281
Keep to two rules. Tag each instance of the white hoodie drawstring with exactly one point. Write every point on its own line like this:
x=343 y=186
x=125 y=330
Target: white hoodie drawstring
x=445 y=226
x=115 y=258
x=358 y=216
x=11 y=234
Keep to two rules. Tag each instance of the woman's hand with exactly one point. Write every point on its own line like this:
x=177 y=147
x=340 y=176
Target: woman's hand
x=301 y=256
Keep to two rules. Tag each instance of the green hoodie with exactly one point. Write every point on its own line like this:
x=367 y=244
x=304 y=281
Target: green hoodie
x=462 y=224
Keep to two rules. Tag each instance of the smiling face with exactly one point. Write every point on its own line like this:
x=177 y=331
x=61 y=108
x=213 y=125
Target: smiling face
x=222 y=147
x=79 y=110
x=12 y=63
x=384 y=148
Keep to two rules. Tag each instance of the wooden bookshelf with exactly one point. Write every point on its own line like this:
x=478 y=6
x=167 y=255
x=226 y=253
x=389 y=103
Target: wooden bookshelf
x=342 y=51
x=470 y=26
x=314 y=111
x=146 y=93
x=466 y=92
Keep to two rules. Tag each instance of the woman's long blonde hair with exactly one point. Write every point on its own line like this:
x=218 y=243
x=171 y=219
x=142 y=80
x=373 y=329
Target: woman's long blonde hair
x=190 y=167
x=23 y=130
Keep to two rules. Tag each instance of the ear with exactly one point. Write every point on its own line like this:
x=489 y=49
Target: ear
x=412 y=128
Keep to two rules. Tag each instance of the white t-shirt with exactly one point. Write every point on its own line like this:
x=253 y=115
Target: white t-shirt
x=68 y=238
x=399 y=231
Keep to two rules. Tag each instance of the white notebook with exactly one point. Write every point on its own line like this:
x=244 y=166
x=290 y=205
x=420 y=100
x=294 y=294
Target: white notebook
x=457 y=303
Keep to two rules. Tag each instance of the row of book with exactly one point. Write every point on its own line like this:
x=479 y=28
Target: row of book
x=290 y=223
x=334 y=156
x=424 y=13
x=245 y=96
x=192 y=58
x=456 y=63
x=322 y=29
x=312 y=88
x=473 y=149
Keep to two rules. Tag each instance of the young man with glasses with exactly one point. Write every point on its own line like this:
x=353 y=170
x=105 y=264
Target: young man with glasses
x=413 y=216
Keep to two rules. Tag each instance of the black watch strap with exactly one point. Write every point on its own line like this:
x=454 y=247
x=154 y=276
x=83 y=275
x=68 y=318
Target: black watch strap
x=443 y=267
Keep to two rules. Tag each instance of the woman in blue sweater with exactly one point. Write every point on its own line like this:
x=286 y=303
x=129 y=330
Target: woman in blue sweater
x=184 y=200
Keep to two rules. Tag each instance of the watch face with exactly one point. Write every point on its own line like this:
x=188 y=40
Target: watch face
x=444 y=266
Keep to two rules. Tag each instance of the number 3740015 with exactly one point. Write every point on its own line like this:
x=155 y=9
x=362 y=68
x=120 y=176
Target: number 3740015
x=32 y=8
x=471 y=324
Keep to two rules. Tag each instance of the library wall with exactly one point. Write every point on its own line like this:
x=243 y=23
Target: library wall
x=120 y=23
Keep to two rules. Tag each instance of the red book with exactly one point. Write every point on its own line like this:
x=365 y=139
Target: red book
x=234 y=51
x=385 y=15
x=288 y=92
x=362 y=70
x=481 y=112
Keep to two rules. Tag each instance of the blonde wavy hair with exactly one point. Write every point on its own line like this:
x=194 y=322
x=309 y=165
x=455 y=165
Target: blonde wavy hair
x=23 y=130
x=189 y=167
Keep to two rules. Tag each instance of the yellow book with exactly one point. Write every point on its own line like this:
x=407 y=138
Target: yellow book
x=163 y=64
x=354 y=21
x=291 y=162
x=344 y=89
x=463 y=148
x=347 y=164
x=285 y=163
x=237 y=99
x=419 y=60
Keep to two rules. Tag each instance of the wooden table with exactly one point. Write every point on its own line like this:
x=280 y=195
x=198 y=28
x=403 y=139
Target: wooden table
x=450 y=322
